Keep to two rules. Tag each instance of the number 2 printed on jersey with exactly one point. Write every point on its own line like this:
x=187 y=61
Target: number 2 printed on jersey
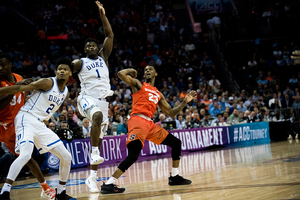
x=153 y=98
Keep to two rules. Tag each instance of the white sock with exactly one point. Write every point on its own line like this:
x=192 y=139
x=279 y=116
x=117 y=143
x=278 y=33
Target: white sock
x=95 y=150
x=93 y=173
x=175 y=171
x=6 y=188
x=61 y=188
x=111 y=180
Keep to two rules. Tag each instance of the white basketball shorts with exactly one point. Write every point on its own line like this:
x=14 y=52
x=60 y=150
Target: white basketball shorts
x=30 y=129
x=88 y=105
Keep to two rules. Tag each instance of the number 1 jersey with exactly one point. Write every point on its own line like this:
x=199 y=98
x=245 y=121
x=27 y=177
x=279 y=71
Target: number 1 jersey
x=145 y=100
x=42 y=104
x=8 y=114
x=94 y=78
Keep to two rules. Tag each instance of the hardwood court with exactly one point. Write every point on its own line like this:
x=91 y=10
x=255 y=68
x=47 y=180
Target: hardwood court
x=267 y=171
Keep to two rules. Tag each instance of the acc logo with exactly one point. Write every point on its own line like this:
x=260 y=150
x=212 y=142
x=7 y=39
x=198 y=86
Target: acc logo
x=53 y=161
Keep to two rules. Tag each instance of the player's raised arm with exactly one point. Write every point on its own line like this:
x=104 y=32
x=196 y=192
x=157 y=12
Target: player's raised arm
x=167 y=109
x=76 y=65
x=44 y=84
x=109 y=35
x=129 y=77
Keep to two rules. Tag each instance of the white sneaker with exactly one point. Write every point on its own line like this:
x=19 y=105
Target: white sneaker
x=96 y=159
x=49 y=193
x=91 y=182
x=297 y=137
x=290 y=137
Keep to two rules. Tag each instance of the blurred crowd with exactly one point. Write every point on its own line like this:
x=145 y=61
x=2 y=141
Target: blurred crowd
x=146 y=33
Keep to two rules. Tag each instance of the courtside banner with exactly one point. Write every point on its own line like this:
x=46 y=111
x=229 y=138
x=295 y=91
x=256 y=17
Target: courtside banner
x=249 y=133
x=114 y=149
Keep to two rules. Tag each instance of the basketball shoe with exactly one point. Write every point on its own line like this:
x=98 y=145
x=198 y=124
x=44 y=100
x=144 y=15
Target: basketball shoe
x=4 y=196
x=63 y=196
x=111 y=188
x=49 y=193
x=178 y=180
x=91 y=182
x=96 y=159
x=297 y=137
x=290 y=137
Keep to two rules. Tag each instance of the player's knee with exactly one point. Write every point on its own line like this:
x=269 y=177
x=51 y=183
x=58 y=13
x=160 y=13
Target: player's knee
x=26 y=156
x=67 y=157
x=98 y=117
x=176 y=143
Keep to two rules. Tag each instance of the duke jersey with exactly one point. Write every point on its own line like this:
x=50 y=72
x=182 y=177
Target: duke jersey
x=145 y=100
x=94 y=78
x=42 y=104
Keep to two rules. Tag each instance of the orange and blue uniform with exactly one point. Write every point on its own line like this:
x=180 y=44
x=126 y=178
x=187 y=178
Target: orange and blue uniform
x=8 y=114
x=140 y=124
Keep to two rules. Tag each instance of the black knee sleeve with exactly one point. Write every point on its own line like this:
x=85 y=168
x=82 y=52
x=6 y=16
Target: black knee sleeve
x=134 y=149
x=175 y=144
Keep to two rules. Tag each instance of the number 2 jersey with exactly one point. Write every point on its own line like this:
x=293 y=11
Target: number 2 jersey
x=145 y=100
x=94 y=78
x=8 y=114
x=42 y=104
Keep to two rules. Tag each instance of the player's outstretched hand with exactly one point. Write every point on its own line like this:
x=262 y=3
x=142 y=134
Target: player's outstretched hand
x=189 y=97
x=296 y=56
x=100 y=6
x=25 y=81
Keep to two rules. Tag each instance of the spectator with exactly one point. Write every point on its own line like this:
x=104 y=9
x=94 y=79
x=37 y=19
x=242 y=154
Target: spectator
x=202 y=113
x=189 y=47
x=72 y=124
x=86 y=128
x=242 y=108
x=196 y=122
x=234 y=118
x=215 y=109
x=123 y=128
x=162 y=118
x=205 y=121
x=246 y=115
x=180 y=123
x=206 y=102
x=275 y=105
x=218 y=120
x=216 y=21
x=272 y=101
x=61 y=119
x=255 y=96
x=251 y=118
x=43 y=69
x=64 y=133
x=52 y=127
x=296 y=104
x=188 y=122
x=114 y=125
x=225 y=116
x=287 y=102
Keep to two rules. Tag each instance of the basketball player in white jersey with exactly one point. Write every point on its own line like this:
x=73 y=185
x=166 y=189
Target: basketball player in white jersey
x=48 y=95
x=93 y=73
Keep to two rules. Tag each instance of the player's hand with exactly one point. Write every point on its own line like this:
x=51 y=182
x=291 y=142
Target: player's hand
x=100 y=6
x=25 y=81
x=190 y=96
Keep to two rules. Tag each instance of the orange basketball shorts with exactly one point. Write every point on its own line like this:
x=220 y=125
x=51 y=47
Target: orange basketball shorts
x=142 y=129
x=8 y=136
